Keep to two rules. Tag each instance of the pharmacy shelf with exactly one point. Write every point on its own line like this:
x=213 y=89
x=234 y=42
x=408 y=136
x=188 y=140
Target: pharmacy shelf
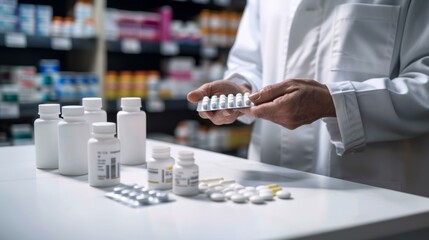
x=167 y=105
x=30 y=110
x=18 y=40
x=130 y=46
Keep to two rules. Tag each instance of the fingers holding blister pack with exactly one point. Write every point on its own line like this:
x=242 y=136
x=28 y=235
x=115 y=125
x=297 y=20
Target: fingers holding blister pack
x=223 y=102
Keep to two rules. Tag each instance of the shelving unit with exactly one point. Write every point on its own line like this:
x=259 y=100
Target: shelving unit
x=99 y=54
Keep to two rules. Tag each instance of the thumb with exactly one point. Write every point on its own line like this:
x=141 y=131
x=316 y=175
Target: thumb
x=199 y=93
x=267 y=94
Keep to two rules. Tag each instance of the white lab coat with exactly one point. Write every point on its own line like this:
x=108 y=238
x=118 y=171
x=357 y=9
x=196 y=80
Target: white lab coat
x=374 y=58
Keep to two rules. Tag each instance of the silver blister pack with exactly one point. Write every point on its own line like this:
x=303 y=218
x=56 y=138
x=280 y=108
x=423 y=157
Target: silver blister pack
x=138 y=196
x=223 y=102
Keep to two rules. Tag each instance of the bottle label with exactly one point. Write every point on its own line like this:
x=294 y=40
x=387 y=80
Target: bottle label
x=186 y=179
x=160 y=175
x=108 y=165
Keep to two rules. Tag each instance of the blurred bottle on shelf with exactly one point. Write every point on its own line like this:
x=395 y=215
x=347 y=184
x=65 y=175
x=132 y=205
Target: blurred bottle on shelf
x=218 y=28
x=191 y=133
x=111 y=85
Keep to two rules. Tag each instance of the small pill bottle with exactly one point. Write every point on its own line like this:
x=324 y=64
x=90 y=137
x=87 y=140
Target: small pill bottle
x=160 y=168
x=103 y=155
x=185 y=175
x=93 y=111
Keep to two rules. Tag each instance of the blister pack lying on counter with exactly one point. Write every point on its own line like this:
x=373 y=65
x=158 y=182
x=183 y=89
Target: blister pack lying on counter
x=222 y=102
x=138 y=196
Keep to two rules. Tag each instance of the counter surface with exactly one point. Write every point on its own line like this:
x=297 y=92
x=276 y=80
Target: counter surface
x=42 y=204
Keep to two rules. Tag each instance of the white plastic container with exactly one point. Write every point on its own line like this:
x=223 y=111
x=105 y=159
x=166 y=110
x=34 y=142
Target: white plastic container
x=104 y=155
x=93 y=111
x=46 y=136
x=185 y=175
x=73 y=136
x=160 y=168
x=132 y=131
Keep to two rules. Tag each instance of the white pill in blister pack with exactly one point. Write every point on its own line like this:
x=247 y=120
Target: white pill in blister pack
x=138 y=196
x=222 y=102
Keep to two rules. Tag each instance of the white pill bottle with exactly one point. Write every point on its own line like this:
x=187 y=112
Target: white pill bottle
x=185 y=175
x=46 y=136
x=104 y=155
x=73 y=136
x=93 y=111
x=132 y=131
x=160 y=168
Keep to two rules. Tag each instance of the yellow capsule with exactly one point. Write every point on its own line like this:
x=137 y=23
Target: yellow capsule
x=274 y=190
x=270 y=186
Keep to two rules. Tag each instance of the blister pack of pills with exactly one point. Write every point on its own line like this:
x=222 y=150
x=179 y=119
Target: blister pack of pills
x=222 y=102
x=138 y=196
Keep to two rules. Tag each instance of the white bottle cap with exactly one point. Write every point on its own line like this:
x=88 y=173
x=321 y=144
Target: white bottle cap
x=51 y=108
x=92 y=103
x=104 y=128
x=131 y=102
x=186 y=155
x=160 y=151
x=73 y=111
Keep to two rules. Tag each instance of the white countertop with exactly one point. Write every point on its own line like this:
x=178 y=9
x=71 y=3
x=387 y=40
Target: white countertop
x=40 y=204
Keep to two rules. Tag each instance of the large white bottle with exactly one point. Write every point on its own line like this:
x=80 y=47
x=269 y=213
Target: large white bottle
x=73 y=136
x=93 y=111
x=132 y=131
x=46 y=136
x=103 y=155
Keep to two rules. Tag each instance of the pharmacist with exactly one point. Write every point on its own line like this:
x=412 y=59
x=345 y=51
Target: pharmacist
x=341 y=89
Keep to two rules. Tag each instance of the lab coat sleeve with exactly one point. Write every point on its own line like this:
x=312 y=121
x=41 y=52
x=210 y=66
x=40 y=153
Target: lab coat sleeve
x=387 y=109
x=244 y=61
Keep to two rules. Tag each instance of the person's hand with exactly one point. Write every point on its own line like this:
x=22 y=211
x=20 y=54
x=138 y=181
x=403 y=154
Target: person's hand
x=292 y=103
x=218 y=88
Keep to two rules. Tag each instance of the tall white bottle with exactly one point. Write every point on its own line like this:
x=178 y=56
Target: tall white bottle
x=103 y=155
x=46 y=136
x=73 y=136
x=93 y=111
x=132 y=131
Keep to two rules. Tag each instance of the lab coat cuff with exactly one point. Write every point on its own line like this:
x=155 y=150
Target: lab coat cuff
x=242 y=78
x=346 y=130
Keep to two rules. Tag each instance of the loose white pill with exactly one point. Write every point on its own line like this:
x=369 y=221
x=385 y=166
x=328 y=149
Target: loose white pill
x=257 y=199
x=210 y=191
x=238 y=198
x=267 y=196
x=202 y=189
x=242 y=191
x=267 y=191
x=250 y=194
x=228 y=189
x=219 y=188
x=250 y=188
x=238 y=187
x=283 y=194
x=217 y=197
x=260 y=187
x=228 y=195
